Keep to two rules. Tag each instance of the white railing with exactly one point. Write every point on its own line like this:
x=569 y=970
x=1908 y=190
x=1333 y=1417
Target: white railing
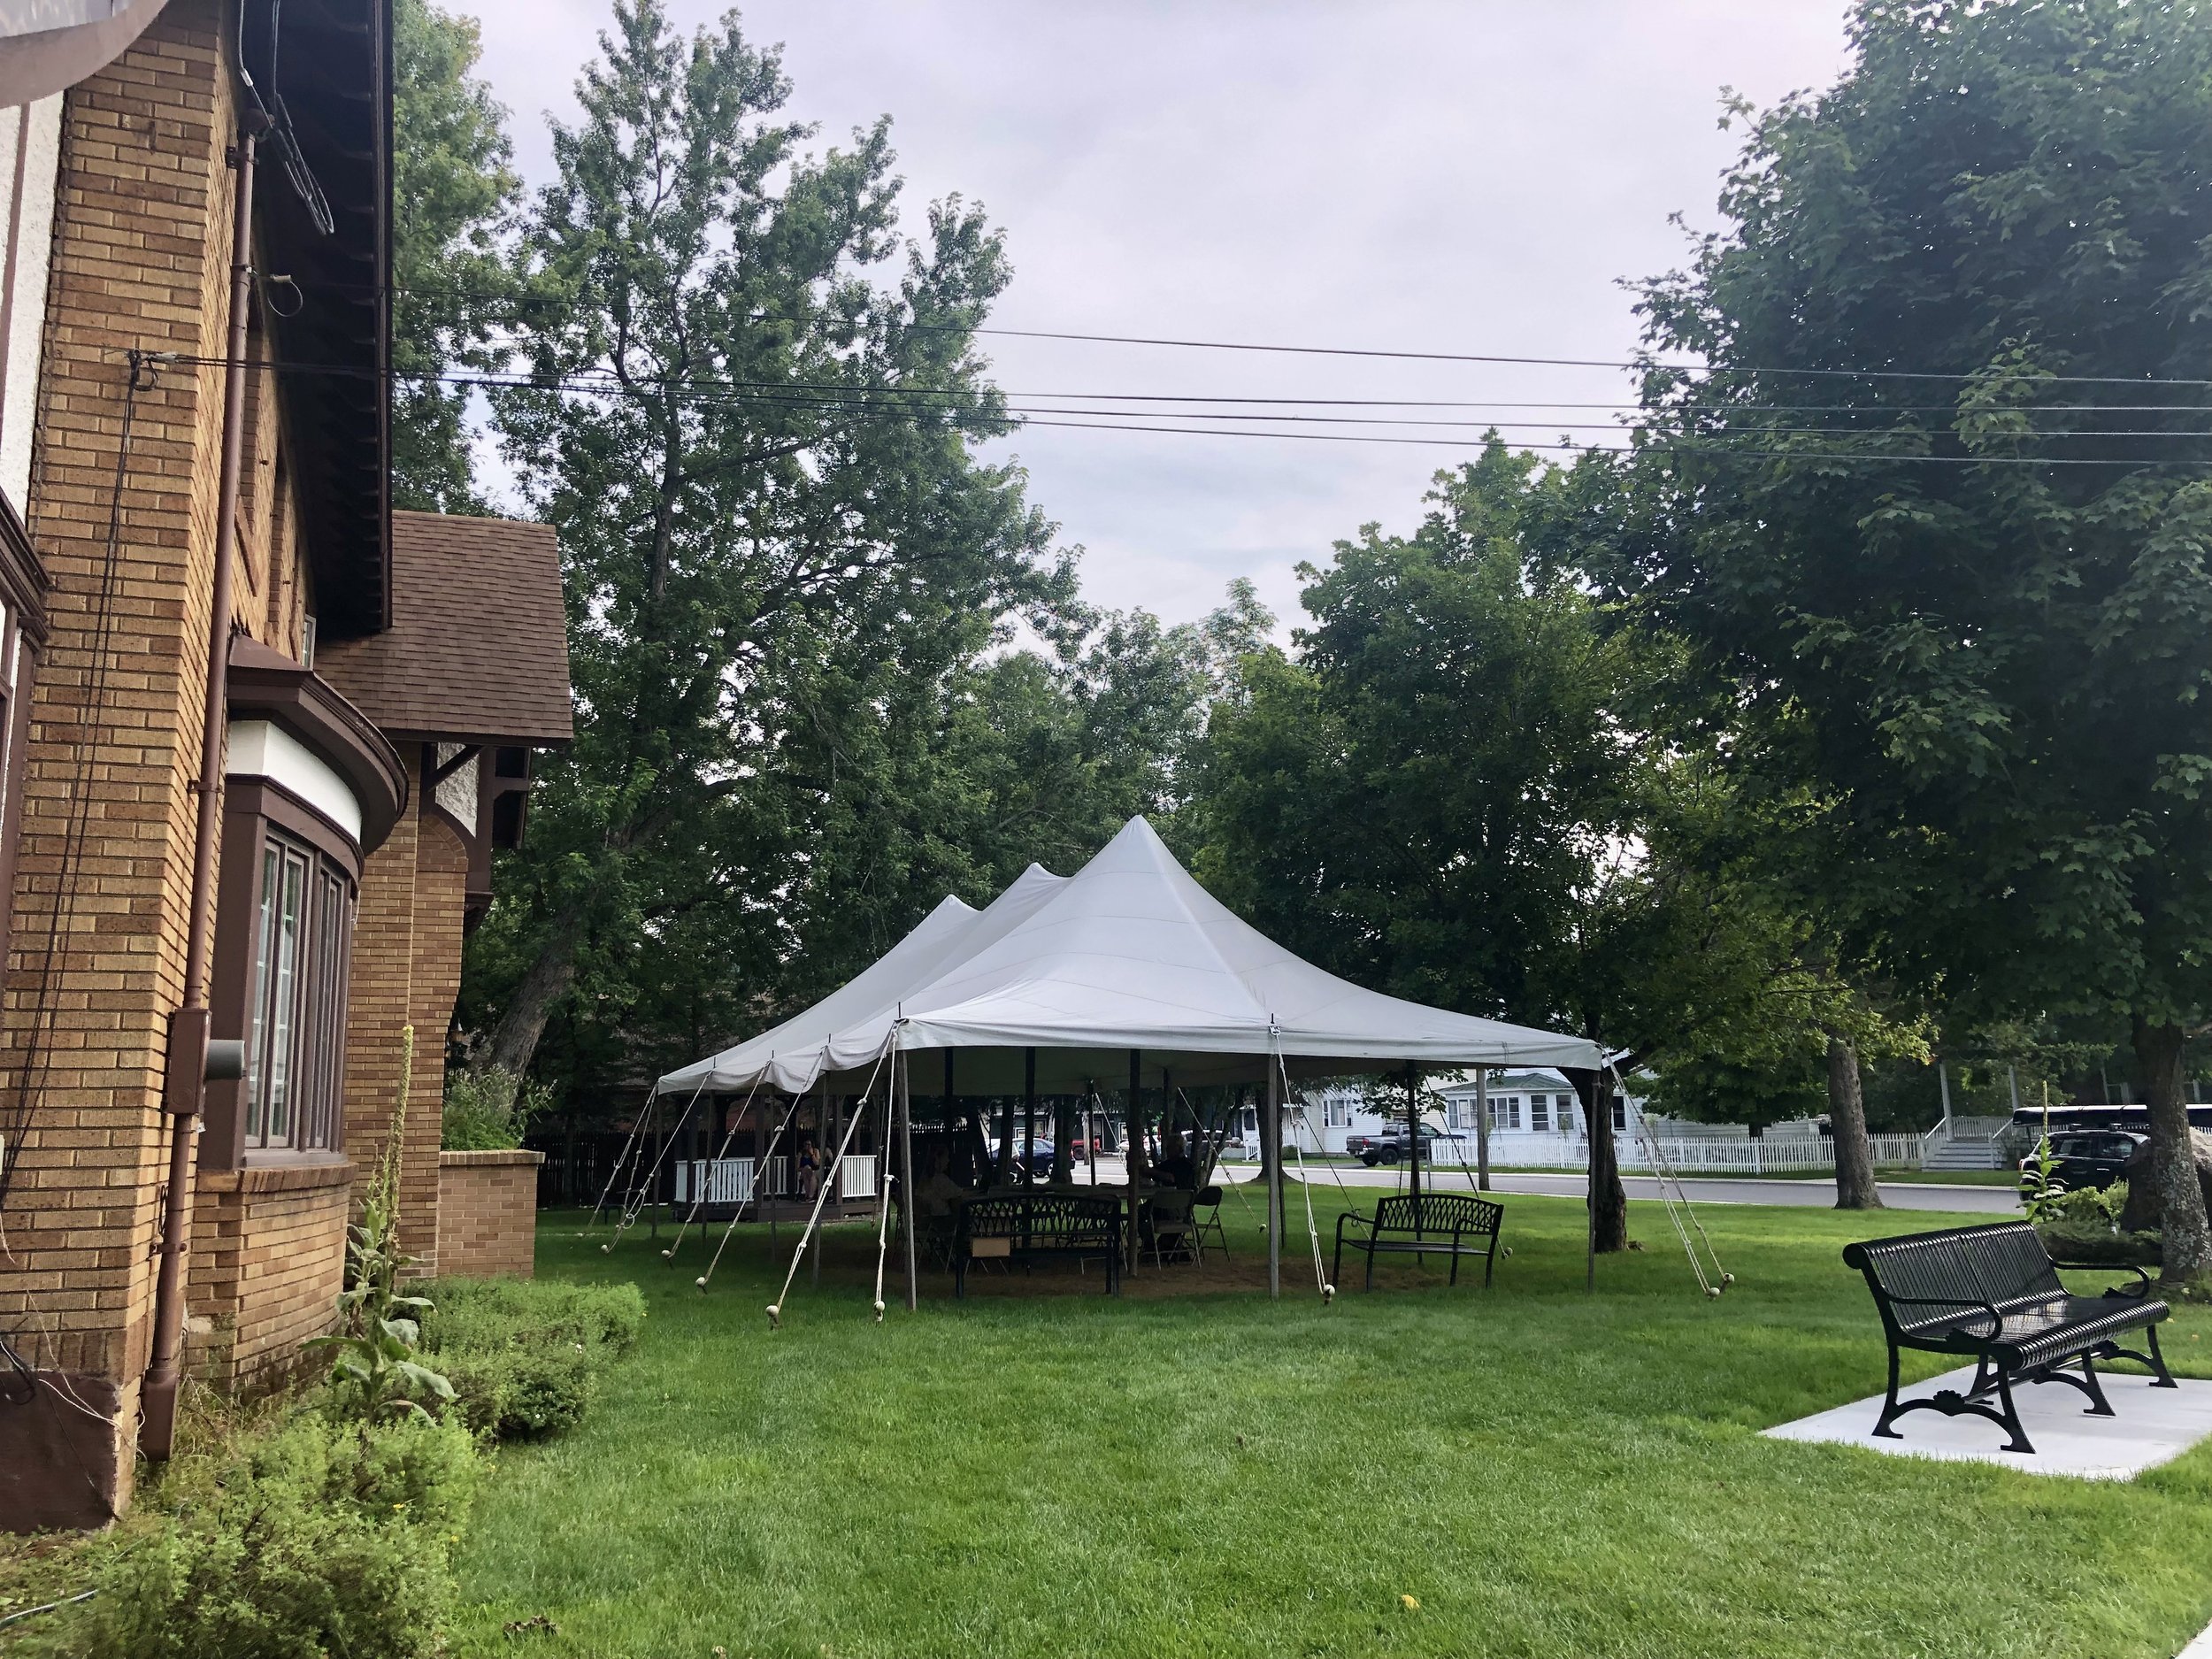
x=730 y=1181
x=1705 y=1155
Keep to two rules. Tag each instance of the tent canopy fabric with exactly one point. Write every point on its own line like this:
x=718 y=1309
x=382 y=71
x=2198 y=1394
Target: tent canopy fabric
x=1130 y=953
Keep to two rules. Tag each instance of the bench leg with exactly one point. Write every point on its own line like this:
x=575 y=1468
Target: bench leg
x=1890 y=1408
x=2160 y=1378
x=1336 y=1273
x=2011 y=1420
x=1371 y=1265
x=1489 y=1262
x=1454 y=1280
x=2098 y=1407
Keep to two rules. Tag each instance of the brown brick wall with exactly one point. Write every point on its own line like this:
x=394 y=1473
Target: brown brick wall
x=268 y=1261
x=142 y=223
x=487 y=1213
x=102 y=882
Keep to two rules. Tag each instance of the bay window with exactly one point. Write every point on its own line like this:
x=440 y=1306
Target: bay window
x=302 y=936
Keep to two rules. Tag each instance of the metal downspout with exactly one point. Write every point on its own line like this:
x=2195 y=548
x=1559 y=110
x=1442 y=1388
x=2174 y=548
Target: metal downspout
x=184 y=1082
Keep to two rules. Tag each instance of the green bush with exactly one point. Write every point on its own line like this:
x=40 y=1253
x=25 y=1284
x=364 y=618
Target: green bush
x=2099 y=1244
x=323 y=1537
x=524 y=1354
x=487 y=1108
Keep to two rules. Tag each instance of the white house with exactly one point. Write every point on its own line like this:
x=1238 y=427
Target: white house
x=1534 y=1118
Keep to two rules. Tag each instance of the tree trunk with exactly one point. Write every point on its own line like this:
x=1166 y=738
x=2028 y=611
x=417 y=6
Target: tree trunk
x=2185 y=1233
x=515 y=1038
x=1608 y=1199
x=1847 y=1116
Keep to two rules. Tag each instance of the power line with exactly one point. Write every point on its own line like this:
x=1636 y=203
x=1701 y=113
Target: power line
x=881 y=403
x=1638 y=364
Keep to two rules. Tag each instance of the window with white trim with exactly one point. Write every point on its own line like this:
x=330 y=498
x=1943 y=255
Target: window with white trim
x=297 y=1017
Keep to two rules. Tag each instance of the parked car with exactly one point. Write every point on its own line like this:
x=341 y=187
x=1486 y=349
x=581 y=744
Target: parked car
x=2088 y=1158
x=1389 y=1146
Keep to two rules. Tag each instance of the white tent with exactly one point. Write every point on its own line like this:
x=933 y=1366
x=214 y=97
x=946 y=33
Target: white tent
x=1128 y=954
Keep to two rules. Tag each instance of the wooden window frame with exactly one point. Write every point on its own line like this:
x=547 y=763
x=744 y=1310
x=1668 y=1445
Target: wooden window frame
x=259 y=816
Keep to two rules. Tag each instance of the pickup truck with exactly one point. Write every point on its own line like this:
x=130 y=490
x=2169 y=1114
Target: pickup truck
x=1389 y=1146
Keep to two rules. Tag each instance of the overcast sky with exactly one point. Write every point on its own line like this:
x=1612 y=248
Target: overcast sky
x=1474 y=176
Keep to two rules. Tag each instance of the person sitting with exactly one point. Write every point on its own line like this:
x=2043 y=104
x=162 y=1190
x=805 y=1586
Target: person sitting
x=1173 y=1166
x=809 y=1167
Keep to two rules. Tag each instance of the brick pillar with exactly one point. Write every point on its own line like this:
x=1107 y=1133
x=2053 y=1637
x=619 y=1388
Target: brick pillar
x=441 y=869
x=380 y=996
x=406 y=970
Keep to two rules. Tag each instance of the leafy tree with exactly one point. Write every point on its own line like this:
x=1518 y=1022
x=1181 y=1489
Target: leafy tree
x=453 y=185
x=1452 y=794
x=792 y=585
x=1910 y=540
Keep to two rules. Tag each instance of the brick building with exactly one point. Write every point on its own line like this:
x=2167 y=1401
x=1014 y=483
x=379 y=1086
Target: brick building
x=381 y=679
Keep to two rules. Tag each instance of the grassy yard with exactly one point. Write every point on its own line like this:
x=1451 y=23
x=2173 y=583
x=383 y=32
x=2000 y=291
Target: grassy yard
x=1545 y=1473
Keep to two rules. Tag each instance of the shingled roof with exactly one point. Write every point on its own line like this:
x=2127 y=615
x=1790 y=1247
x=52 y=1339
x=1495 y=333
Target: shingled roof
x=477 y=648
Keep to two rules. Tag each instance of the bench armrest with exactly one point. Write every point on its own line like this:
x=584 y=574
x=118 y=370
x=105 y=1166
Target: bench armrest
x=1947 y=1301
x=2136 y=1291
x=1355 y=1219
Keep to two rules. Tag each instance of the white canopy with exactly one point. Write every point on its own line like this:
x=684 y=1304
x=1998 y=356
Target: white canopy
x=1129 y=954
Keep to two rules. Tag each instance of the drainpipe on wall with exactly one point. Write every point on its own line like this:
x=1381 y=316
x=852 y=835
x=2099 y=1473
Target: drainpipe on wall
x=184 y=1080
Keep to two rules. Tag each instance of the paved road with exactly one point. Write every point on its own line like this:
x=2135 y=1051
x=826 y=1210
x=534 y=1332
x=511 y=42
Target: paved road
x=1822 y=1195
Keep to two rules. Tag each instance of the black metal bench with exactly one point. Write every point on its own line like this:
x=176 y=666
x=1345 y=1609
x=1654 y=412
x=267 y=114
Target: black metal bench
x=1429 y=1223
x=1024 y=1226
x=1991 y=1292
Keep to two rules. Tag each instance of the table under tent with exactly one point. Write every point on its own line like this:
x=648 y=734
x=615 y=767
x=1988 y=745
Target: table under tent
x=1125 y=977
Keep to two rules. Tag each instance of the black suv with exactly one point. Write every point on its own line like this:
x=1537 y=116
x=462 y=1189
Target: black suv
x=2088 y=1157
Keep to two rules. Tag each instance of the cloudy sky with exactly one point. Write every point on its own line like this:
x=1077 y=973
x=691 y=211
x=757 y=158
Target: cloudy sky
x=1469 y=176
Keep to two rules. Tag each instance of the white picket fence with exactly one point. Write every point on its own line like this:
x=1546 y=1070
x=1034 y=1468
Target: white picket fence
x=1701 y=1154
x=730 y=1181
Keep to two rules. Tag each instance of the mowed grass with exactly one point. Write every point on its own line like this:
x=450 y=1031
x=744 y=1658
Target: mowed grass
x=1544 y=1471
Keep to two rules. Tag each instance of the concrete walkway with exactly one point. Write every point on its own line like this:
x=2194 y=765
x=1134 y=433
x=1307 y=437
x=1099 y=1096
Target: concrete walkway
x=2149 y=1426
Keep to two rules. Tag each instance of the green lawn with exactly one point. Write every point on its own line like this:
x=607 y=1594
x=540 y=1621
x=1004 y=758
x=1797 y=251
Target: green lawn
x=1546 y=1473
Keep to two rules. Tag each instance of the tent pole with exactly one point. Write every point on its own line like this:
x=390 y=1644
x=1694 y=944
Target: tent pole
x=951 y=1118
x=1271 y=1171
x=1090 y=1127
x=1134 y=1157
x=1029 y=1115
x=1590 y=1188
x=1413 y=1135
x=1167 y=1108
x=907 y=1188
x=833 y=1137
x=1004 y=1167
x=1482 y=1128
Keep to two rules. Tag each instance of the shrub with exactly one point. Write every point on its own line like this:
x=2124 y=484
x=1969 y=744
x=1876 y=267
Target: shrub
x=323 y=1537
x=2091 y=1206
x=524 y=1354
x=2099 y=1244
x=487 y=1108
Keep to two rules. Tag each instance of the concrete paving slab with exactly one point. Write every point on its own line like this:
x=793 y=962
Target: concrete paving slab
x=2152 y=1426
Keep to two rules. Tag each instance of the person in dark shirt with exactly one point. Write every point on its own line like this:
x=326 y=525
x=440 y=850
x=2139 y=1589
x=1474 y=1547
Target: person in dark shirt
x=1173 y=1166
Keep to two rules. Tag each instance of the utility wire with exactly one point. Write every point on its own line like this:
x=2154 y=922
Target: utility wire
x=1638 y=365
x=882 y=402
